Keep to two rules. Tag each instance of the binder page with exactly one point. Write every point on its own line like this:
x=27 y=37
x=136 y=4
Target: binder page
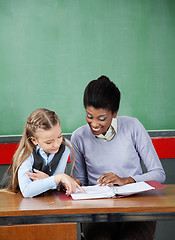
x=131 y=188
x=93 y=192
x=110 y=191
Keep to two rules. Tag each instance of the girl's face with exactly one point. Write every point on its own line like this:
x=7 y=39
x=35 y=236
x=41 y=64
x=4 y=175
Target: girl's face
x=49 y=140
x=99 y=119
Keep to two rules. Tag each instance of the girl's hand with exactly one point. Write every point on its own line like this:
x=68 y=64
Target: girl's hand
x=68 y=182
x=111 y=179
x=37 y=175
x=77 y=181
x=63 y=188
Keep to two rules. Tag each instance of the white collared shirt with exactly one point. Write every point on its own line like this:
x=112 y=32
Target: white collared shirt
x=110 y=133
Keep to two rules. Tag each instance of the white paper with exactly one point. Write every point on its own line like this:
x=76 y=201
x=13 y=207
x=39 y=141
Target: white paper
x=94 y=192
x=110 y=191
x=131 y=188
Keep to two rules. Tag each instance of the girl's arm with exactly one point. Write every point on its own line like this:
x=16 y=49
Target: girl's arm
x=68 y=182
x=36 y=174
x=30 y=188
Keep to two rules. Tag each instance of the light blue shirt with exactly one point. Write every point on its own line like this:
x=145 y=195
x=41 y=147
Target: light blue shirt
x=31 y=188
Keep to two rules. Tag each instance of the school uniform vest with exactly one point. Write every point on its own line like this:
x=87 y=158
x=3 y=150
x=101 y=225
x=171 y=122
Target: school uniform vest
x=51 y=167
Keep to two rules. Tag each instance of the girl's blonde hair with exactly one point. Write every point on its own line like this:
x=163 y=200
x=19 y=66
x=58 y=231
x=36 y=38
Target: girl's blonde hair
x=39 y=119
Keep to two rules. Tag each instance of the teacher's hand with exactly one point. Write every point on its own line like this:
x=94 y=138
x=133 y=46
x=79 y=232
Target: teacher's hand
x=111 y=179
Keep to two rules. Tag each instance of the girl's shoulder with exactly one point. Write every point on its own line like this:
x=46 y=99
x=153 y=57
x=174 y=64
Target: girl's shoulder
x=67 y=141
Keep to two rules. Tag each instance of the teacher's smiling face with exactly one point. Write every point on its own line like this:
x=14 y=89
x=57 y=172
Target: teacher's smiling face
x=99 y=119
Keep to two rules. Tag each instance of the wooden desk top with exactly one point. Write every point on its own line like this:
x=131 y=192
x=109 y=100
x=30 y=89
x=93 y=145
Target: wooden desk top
x=155 y=204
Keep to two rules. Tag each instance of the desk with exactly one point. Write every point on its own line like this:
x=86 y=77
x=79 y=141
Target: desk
x=49 y=210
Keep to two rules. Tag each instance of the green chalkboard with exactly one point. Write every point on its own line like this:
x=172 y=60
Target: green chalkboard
x=51 y=49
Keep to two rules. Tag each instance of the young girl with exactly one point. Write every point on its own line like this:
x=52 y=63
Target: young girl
x=40 y=160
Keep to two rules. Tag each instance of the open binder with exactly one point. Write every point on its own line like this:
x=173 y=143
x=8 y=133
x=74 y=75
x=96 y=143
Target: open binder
x=95 y=192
